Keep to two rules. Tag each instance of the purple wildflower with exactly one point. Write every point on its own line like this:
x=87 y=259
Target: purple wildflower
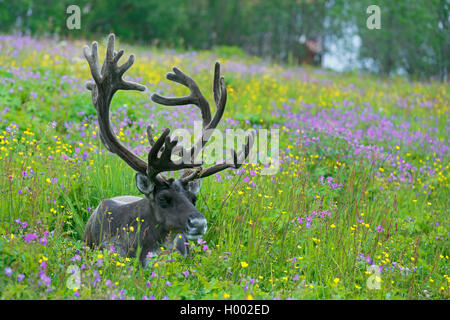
x=99 y=263
x=96 y=279
x=30 y=237
x=43 y=241
x=75 y=258
x=45 y=280
x=8 y=271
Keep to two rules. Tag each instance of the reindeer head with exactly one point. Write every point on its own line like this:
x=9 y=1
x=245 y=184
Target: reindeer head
x=173 y=204
x=172 y=200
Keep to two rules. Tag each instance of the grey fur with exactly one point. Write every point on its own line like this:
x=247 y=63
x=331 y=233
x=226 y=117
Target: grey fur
x=151 y=225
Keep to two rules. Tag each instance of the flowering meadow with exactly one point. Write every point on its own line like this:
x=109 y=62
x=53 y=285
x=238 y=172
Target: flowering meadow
x=358 y=209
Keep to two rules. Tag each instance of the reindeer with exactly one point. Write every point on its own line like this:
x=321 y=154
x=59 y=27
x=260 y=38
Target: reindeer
x=166 y=215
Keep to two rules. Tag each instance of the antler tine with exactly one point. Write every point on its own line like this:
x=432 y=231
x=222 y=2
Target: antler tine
x=220 y=98
x=219 y=88
x=177 y=150
x=165 y=146
x=220 y=92
x=196 y=97
x=150 y=136
x=238 y=160
x=91 y=56
x=107 y=80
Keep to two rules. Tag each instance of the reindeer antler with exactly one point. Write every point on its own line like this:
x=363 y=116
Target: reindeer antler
x=107 y=81
x=197 y=98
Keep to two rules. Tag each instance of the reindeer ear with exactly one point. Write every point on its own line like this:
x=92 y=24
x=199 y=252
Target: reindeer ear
x=194 y=186
x=144 y=184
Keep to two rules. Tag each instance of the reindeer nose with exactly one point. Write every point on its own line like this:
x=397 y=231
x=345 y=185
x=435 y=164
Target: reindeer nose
x=196 y=225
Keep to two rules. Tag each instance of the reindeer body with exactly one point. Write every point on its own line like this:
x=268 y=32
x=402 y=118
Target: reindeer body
x=127 y=224
x=130 y=223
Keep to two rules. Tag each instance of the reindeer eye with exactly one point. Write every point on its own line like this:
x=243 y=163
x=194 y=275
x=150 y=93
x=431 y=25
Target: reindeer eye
x=163 y=201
